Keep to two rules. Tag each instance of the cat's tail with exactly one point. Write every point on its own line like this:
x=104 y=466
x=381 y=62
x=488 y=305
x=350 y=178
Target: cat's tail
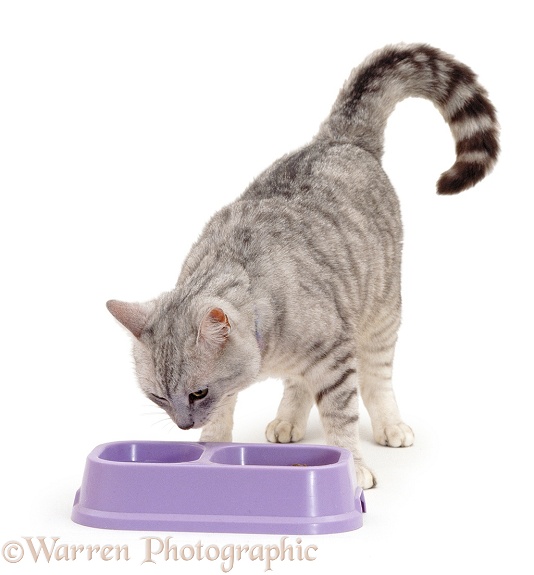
x=394 y=73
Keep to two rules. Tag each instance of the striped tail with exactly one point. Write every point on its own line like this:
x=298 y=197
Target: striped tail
x=394 y=73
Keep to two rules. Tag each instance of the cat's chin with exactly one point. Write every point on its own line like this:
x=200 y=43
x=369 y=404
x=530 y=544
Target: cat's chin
x=193 y=425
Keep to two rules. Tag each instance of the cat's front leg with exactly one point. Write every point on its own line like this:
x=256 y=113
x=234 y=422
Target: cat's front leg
x=293 y=412
x=221 y=423
x=338 y=404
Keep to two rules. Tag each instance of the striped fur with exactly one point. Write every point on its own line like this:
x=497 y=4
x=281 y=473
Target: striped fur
x=397 y=72
x=299 y=278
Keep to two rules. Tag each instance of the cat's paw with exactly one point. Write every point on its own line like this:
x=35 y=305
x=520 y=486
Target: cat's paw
x=398 y=435
x=366 y=479
x=279 y=431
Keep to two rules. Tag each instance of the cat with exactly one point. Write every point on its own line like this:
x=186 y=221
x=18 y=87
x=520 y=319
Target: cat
x=299 y=278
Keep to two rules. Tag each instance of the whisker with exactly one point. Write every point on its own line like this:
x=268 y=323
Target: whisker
x=164 y=420
x=167 y=428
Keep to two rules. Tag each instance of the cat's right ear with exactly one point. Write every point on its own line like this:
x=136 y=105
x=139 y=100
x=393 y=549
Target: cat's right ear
x=133 y=316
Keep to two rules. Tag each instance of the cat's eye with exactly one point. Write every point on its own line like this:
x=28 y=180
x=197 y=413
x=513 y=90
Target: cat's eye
x=158 y=398
x=196 y=395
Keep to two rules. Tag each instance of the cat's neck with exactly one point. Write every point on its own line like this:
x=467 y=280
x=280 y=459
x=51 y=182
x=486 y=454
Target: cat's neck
x=228 y=285
x=228 y=281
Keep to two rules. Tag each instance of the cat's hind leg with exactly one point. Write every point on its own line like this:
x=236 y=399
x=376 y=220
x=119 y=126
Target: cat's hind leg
x=293 y=412
x=375 y=354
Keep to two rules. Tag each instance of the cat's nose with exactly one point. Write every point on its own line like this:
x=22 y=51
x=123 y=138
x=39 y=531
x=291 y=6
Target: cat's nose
x=182 y=415
x=185 y=427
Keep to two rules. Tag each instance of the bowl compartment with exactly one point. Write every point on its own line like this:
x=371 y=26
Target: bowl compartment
x=151 y=452
x=276 y=455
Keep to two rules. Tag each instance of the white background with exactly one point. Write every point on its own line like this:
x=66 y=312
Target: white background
x=125 y=125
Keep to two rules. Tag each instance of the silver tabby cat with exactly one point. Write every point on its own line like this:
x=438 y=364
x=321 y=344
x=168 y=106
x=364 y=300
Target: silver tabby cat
x=300 y=277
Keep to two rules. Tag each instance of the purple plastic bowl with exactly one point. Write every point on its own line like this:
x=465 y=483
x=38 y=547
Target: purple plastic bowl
x=220 y=487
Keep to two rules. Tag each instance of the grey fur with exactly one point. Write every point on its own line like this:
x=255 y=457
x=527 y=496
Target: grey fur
x=299 y=278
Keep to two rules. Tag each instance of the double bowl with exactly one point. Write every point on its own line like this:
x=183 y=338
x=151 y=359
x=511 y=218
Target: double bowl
x=220 y=487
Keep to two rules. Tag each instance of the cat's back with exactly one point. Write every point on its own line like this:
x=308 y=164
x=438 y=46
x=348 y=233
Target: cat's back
x=330 y=172
x=325 y=198
x=325 y=214
x=331 y=192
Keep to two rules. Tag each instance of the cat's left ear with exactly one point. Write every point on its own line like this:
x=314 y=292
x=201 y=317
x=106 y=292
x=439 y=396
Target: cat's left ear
x=133 y=316
x=214 y=328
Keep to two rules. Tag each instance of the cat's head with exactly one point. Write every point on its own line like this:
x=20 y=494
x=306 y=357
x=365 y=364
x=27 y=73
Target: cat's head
x=190 y=358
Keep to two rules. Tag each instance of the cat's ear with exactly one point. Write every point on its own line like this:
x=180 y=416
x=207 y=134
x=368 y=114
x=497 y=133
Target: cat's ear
x=214 y=328
x=133 y=316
